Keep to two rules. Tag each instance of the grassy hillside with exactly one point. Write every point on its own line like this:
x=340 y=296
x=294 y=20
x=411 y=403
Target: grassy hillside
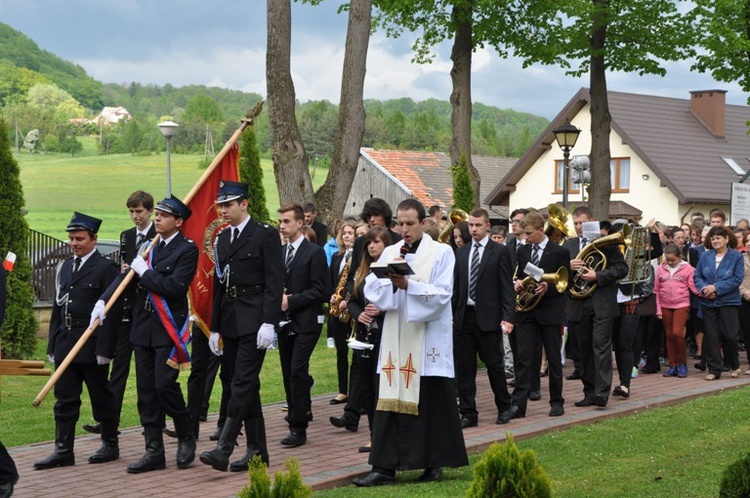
x=55 y=185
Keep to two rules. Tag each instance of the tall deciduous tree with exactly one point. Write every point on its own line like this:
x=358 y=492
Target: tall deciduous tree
x=20 y=327
x=600 y=36
x=331 y=198
x=289 y=157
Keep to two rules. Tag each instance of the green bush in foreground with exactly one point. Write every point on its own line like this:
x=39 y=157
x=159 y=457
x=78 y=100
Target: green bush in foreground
x=505 y=472
x=735 y=481
x=285 y=485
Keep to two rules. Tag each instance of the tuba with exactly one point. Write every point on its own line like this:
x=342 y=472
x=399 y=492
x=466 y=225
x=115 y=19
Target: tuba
x=527 y=298
x=455 y=216
x=558 y=220
x=594 y=259
x=636 y=256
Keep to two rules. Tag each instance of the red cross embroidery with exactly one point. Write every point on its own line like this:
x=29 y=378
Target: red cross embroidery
x=408 y=370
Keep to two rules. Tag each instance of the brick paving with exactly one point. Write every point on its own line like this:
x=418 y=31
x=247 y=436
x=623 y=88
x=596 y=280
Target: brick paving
x=330 y=457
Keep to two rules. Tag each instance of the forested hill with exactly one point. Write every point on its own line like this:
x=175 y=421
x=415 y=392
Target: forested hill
x=398 y=123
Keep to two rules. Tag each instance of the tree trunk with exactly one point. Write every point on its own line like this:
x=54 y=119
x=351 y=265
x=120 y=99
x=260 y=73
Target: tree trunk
x=331 y=198
x=461 y=96
x=600 y=118
x=289 y=158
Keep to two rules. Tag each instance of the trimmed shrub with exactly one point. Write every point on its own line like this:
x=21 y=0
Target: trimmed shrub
x=506 y=472
x=285 y=485
x=735 y=480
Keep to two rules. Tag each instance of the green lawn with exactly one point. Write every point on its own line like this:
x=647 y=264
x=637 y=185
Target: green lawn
x=678 y=451
x=55 y=185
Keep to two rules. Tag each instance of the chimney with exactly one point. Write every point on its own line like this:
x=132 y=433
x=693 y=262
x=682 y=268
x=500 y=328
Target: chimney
x=709 y=106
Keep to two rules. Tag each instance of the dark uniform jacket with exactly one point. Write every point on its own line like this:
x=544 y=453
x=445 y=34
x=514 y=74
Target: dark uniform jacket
x=307 y=282
x=128 y=252
x=69 y=321
x=604 y=297
x=250 y=293
x=173 y=270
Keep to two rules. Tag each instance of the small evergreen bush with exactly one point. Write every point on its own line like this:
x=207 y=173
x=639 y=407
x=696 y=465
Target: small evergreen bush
x=506 y=472
x=285 y=485
x=735 y=480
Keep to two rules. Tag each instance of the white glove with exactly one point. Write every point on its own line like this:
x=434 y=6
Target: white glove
x=102 y=360
x=139 y=266
x=51 y=358
x=213 y=344
x=265 y=336
x=98 y=312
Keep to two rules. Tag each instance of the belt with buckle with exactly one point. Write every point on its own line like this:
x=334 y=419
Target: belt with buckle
x=71 y=322
x=235 y=291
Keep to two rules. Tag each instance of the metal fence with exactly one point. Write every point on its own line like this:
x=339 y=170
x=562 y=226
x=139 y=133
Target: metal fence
x=46 y=253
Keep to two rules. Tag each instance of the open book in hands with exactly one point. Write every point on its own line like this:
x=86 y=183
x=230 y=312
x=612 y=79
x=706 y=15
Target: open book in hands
x=396 y=265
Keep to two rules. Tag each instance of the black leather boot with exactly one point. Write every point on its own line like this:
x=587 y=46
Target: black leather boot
x=62 y=455
x=218 y=458
x=110 y=449
x=185 y=442
x=255 y=430
x=153 y=459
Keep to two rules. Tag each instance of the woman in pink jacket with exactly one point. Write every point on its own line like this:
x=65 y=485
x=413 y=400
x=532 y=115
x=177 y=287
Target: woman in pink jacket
x=672 y=285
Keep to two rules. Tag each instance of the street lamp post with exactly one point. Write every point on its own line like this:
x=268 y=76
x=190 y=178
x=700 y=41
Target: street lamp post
x=167 y=129
x=566 y=137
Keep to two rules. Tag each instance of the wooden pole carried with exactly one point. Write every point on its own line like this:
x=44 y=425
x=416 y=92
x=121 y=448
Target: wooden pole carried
x=245 y=122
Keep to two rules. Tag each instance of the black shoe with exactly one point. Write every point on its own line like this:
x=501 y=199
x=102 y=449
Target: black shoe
x=557 y=410
x=431 y=474
x=584 y=402
x=652 y=370
x=185 y=442
x=364 y=449
x=6 y=490
x=170 y=433
x=701 y=366
x=337 y=401
x=217 y=433
x=153 y=459
x=218 y=458
x=203 y=417
x=599 y=401
x=535 y=395
x=92 y=428
x=62 y=455
x=468 y=422
x=110 y=449
x=344 y=423
x=294 y=439
x=725 y=368
x=619 y=391
x=373 y=479
x=509 y=414
x=243 y=463
x=576 y=375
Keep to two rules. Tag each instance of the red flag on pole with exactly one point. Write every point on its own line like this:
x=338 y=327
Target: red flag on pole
x=203 y=226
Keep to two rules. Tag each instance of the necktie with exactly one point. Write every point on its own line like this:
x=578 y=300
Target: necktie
x=404 y=250
x=535 y=255
x=474 y=272
x=235 y=234
x=139 y=240
x=162 y=245
x=76 y=266
x=584 y=242
x=289 y=257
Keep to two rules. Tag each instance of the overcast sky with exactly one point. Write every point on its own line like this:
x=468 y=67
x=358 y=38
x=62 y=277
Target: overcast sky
x=222 y=43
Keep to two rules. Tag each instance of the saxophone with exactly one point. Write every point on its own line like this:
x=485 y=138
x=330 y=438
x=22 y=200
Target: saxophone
x=338 y=295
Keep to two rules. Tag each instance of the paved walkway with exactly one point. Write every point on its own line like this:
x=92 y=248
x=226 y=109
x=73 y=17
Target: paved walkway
x=330 y=457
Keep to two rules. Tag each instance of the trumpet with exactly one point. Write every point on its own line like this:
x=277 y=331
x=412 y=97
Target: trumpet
x=527 y=299
x=594 y=259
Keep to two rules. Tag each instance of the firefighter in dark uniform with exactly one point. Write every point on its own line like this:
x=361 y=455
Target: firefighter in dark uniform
x=160 y=334
x=248 y=285
x=81 y=280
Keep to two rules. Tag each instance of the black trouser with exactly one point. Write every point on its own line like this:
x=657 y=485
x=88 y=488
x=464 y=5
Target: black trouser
x=572 y=349
x=294 y=353
x=530 y=336
x=363 y=388
x=721 y=326
x=158 y=389
x=243 y=361
x=340 y=332
x=624 y=330
x=200 y=356
x=70 y=385
x=595 y=340
x=8 y=470
x=467 y=342
x=118 y=376
x=651 y=330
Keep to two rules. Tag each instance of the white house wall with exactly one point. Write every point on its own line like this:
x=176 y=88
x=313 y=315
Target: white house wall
x=536 y=188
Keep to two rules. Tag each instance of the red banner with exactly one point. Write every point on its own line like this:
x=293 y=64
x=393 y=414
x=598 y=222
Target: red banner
x=203 y=226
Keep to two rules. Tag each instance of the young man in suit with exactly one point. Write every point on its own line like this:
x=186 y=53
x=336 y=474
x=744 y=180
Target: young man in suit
x=483 y=310
x=160 y=334
x=591 y=317
x=574 y=245
x=141 y=207
x=248 y=285
x=81 y=280
x=543 y=323
x=305 y=290
x=321 y=231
